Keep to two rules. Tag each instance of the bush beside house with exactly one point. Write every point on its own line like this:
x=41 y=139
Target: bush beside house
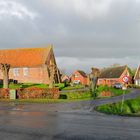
x=103 y=91
x=31 y=93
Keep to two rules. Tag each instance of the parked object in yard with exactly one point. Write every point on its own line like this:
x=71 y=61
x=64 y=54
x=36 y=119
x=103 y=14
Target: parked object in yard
x=76 y=81
x=118 y=85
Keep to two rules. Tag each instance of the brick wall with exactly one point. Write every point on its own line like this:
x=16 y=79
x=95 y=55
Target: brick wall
x=78 y=77
x=34 y=75
x=108 y=82
x=111 y=81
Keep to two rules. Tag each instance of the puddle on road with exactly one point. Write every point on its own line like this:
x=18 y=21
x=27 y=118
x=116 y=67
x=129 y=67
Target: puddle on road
x=20 y=113
x=18 y=108
x=23 y=118
x=28 y=119
x=24 y=123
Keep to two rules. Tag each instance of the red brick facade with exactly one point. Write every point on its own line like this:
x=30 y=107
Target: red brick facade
x=32 y=66
x=111 y=81
x=79 y=77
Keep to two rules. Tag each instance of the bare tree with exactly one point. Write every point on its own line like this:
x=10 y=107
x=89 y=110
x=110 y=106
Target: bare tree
x=52 y=69
x=94 y=78
x=5 y=70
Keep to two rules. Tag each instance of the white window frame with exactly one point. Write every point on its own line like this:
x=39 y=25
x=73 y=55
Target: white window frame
x=76 y=75
x=16 y=71
x=77 y=81
x=25 y=71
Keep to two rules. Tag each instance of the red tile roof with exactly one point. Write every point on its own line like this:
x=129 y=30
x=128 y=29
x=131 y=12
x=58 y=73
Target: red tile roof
x=114 y=72
x=25 y=57
x=82 y=73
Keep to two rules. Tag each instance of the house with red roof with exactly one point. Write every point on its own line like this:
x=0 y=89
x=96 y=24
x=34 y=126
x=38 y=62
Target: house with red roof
x=65 y=78
x=31 y=65
x=137 y=76
x=112 y=75
x=79 y=77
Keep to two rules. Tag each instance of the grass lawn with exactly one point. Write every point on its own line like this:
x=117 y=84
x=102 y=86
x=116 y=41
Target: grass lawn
x=61 y=86
x=76 y=95
x=44 y=101
x=130 y=108
x=64 y=97
x=73 y=87
x=27 y=85
x=113 y=91
x=30 y=85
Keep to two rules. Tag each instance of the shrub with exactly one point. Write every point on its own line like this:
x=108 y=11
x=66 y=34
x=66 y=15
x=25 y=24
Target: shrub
x=4 y=93
x=105 y=93
x=60 y=86
x=110 y=91
x=30 y=93
x=102 y=88
x=52 y=93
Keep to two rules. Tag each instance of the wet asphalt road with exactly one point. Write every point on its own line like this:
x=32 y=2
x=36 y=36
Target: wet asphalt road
x=65 y=121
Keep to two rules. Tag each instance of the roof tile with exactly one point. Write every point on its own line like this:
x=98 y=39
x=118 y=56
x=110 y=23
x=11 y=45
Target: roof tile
x=114 y=72
x=24 y=57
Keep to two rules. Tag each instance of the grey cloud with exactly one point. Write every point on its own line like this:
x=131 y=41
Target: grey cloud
x=110 y=32
x=87 y=63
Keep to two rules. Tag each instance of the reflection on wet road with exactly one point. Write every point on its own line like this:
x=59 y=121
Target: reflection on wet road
x=63 y=121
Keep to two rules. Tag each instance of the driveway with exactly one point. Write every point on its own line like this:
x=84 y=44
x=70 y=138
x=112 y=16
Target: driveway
x=66 y=121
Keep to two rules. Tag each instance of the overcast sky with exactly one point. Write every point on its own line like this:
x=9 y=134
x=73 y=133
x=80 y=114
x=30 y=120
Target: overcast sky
x=85 y=33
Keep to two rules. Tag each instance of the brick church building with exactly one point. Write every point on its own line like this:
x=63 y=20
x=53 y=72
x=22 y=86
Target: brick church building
x=31 y=65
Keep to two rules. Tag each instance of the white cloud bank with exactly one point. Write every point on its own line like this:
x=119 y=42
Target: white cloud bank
x=10 y=8
x=89 y=9
x=69 y=64
x=101 y=32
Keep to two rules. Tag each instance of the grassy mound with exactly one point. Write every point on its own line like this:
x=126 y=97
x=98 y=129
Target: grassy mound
x=130 y=108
